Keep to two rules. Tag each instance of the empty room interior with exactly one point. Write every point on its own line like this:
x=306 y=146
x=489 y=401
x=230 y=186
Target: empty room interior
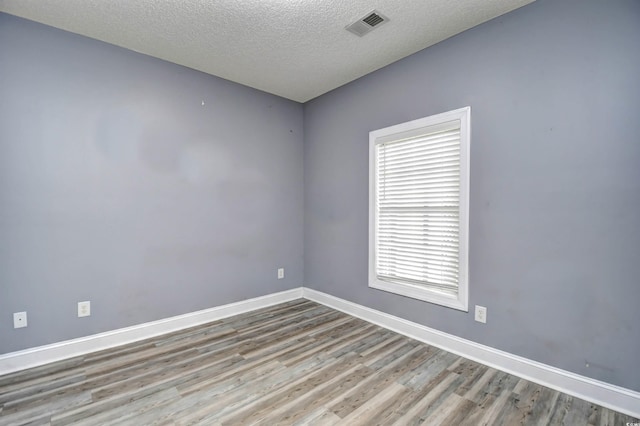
x=286 y=212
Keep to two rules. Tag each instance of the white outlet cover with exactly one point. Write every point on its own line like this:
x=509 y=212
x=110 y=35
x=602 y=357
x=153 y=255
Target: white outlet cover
x=84 y=309
x=280 y=273
x=19 y=319
x=481 y=314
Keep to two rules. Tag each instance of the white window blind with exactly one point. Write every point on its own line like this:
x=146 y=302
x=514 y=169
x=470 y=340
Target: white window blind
x=418 y=194
x=417 y=202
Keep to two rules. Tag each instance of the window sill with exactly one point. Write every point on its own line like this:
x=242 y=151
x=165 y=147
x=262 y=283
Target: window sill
x=421 y=293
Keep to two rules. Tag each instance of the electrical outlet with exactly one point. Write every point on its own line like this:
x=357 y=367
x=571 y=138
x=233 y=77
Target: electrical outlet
x=280 y=273
x=481 y=314
x=19 y=319
x=84 y=309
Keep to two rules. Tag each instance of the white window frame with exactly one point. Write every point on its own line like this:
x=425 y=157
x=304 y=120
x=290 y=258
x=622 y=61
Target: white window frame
x=414 y=291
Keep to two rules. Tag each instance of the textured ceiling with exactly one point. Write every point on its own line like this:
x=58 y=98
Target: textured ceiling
x=297 y=49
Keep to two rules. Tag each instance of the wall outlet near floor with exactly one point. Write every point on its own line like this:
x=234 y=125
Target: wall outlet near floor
x=481 y=314
x=84 y=309
x=280 y=273
x=19 y=319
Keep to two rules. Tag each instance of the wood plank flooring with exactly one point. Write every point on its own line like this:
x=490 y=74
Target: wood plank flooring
x=295 y=363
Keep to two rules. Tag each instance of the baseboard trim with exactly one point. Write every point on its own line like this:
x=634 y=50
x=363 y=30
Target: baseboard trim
x=33 y=357
x=610 y=396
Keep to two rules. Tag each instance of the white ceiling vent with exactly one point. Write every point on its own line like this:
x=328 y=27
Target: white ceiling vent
x=367 y=23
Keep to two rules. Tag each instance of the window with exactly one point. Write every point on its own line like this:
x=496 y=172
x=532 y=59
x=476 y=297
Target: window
x=419 y=208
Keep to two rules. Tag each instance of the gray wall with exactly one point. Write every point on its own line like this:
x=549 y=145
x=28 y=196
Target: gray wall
x=555 y=182
x=118 y=186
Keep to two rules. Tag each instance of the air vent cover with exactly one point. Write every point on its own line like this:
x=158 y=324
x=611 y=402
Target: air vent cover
x=367 y=23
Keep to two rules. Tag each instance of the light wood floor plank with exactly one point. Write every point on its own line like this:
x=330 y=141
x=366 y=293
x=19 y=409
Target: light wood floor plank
x=297 y=363
x=366 y=413
x=385 y=376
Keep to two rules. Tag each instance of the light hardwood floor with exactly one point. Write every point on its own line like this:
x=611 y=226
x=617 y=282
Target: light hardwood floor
x=295 y=363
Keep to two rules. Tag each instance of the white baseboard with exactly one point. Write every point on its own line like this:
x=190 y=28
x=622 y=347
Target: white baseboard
x=41 y=355
x=610 y=396
x=601 y=393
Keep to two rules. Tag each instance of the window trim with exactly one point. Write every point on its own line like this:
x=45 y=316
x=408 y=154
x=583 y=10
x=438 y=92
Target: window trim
x=417 y=292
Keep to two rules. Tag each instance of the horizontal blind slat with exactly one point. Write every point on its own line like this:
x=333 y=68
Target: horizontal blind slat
x=419 y=274
x=433 y=171
x=442 y=159
x=445 y=273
